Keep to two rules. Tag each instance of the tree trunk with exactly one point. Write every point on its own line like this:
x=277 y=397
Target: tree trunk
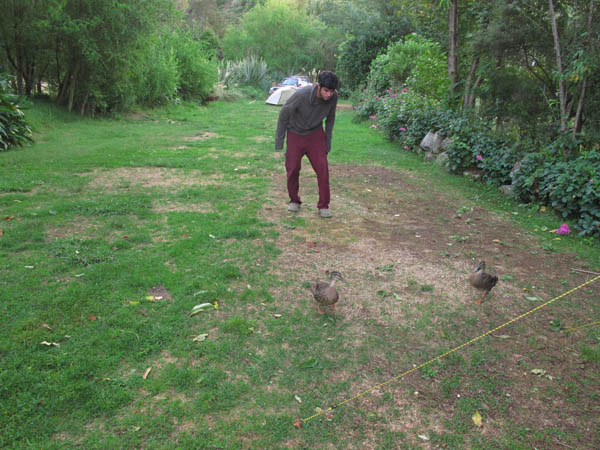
x=562 y=92
x=577 y=124
x=452 y=48
x=468 y=96
x=72 y=84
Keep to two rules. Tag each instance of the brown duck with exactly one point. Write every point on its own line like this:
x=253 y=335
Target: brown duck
x=325 y=293
x=481 y=280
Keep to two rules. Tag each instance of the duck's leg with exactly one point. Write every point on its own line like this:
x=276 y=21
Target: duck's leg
x=319 y=309
x=480 y=300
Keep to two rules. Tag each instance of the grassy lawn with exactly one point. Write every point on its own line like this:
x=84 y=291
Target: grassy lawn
x=113 y=230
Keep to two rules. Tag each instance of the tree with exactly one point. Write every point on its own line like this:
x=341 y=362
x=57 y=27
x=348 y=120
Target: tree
x=287 y=38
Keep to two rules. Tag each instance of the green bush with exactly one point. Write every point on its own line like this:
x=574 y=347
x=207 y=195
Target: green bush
x=572 y=188
x=157 y=73
x=419 y=64
x=196 y=65
x=14 y=130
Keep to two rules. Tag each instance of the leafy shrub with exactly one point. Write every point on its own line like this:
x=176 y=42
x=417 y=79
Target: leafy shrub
x=420 y=64
x=14 y=131
x=572 y=187
x=155 y=75
x=250 y=71
x=196 y=65
x=378 y=80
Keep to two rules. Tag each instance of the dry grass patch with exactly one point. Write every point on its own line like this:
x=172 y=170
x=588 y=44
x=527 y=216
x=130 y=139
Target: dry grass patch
x=165 y=206
x=150 y=177
x=201 y=137
x=80 y=228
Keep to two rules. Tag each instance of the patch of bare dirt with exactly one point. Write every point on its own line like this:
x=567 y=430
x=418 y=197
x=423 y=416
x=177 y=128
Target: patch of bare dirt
x=403 y=246
x=149 y=177
x=201 y=137
x=159 y=293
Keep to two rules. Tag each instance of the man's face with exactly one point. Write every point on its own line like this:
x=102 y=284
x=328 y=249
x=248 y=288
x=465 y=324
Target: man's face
x=324 y=93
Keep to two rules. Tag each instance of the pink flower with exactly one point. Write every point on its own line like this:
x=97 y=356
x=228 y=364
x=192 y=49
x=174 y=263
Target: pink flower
x=564 y=229
x=377 y=98
x=373 y=126
x=479 y=158
x=394 y=95
x=406 y=147
x=405 y=90
x=402 y=129
x=373 y=117
x=389 y=91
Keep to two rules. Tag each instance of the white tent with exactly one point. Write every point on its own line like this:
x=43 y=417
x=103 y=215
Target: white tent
x=280 y=96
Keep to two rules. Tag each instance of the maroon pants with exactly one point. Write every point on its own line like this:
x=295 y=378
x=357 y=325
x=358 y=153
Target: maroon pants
x=313 y=146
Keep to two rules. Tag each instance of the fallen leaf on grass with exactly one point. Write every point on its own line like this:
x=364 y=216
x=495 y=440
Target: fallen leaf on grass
x=298 y=399
x=200 y=338
x=502 y=336
x=201 y=307
x=46 y=326
x=146 y=373
x=423 y=437
x=1 y=232
x=477 y=419
x=92 y=317
x=298 y=423
x=538 y=372
x=50 y=344
x=533 y=299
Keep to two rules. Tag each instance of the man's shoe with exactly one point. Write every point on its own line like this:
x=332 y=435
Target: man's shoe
x=294 y=207
x=325 y=213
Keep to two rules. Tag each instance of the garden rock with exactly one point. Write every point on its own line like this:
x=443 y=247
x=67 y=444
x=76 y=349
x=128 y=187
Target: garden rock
x=446 y=143
x=507 y=189
x=475 y=173
x=432 y=142
x=442 y=159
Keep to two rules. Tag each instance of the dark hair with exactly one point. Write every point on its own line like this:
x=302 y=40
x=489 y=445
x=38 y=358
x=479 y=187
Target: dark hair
x=328 y=79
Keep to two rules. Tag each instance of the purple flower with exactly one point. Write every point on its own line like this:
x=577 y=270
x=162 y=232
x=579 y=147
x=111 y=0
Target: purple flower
x=373 y=126
x=591 y=181
x=406 y=147
x=389 y=91
x=564 y=229
x=402 y=129
x=479 y=158
x=373 y=117
x=394 y=95
x=405 y=90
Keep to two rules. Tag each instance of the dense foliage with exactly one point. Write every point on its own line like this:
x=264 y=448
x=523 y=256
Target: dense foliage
x=286 y=37
x=14 y=131
x=98 y=56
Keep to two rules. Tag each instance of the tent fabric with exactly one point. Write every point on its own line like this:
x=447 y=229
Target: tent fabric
x=280 y=96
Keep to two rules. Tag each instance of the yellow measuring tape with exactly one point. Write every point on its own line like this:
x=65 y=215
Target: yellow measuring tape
x=443 y=355
x=583 y=326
